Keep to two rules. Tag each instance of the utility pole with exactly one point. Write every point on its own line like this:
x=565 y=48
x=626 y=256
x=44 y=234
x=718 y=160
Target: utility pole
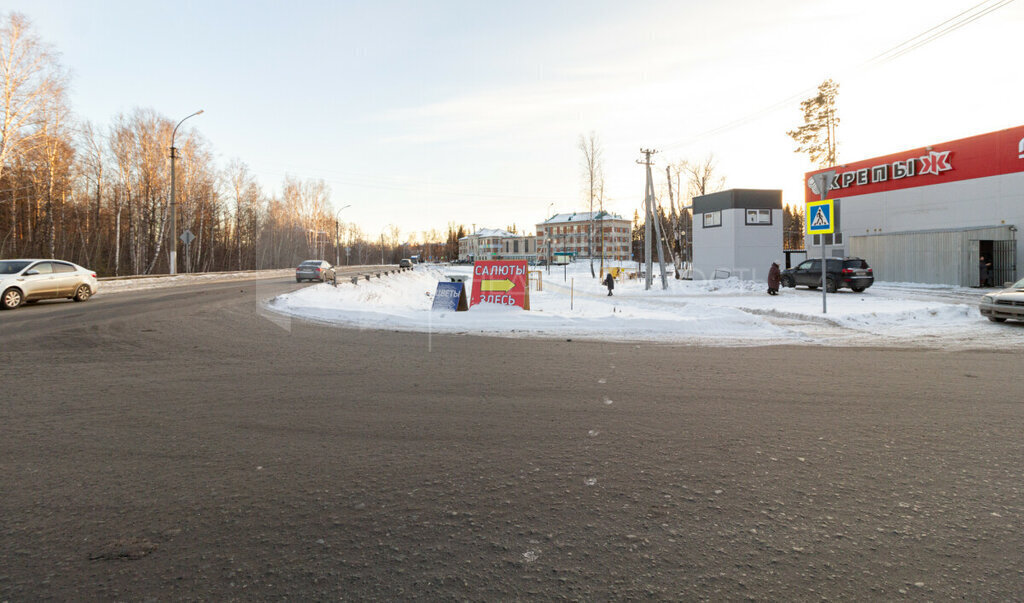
x=676 y=251
x=649 y=209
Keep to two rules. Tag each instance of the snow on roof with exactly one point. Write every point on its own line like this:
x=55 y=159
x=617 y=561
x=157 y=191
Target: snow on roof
x=582 y=216
x=492 y=232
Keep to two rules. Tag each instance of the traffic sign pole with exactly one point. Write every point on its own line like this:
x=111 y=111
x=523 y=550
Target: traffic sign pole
x=823 y=182
x=824 y=289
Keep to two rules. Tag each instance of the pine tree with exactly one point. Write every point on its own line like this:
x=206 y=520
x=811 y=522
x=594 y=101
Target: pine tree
x=817 y=137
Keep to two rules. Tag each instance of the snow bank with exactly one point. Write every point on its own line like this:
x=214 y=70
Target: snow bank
x=718 y=312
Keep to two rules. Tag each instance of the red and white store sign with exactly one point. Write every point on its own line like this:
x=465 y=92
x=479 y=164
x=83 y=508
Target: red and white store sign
x=981 y=156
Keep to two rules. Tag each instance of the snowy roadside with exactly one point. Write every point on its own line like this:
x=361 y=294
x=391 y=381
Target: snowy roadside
x=162 y=281
x=721 y=312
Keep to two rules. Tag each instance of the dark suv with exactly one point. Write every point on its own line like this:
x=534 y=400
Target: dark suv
x=850 y=273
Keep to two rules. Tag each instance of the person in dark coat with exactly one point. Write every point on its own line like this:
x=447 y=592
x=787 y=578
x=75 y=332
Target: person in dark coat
x=609 y=281
x=984 y=269
x=774 y=278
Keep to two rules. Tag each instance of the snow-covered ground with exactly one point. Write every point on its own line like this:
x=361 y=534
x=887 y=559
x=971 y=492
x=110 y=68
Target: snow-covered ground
x=720 y=312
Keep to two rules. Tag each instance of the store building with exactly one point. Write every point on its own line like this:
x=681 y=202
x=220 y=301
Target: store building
x=929 y=214
x=737 y=233
x=569 y=235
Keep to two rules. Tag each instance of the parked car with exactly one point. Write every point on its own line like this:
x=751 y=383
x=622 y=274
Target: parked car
x=1005 y=304
x=849 y=273
x=314 y=270
x=28 y=281
x=405 y=263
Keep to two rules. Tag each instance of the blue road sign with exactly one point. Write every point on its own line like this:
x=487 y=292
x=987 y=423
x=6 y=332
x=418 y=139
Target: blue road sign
x=820 y=216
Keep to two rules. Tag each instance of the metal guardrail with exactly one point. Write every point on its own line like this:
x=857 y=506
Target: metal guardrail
x=371 y=269
x=132 y=277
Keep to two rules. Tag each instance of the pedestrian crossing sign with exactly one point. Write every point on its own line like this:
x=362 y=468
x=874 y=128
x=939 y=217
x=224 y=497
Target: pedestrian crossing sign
x=820 y=217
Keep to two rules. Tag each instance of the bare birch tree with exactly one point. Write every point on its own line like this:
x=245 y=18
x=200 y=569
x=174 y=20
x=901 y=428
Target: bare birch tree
x=593 y=174
x=31 y=79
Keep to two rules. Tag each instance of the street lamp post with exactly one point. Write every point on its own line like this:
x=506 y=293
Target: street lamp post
x=337 y=250
x=547 y=235
x=174 y=225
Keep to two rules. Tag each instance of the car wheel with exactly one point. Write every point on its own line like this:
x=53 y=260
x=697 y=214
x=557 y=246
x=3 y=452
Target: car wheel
x=82 y=294
x=858 y=289
x=787 y=281
x=812 y=287
x=11 y=299
x=830 y=285
x=996 y=319
x=298 y=280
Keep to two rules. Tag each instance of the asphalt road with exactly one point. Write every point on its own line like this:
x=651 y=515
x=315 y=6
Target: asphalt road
x=181 y=444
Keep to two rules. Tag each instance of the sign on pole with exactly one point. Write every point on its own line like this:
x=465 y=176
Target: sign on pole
x=450 y=296
x=187 y=237
x=821 y=220
x=502 y=282
x=821 y=217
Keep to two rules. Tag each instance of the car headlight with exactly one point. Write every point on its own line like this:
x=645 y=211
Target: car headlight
x=988 y=299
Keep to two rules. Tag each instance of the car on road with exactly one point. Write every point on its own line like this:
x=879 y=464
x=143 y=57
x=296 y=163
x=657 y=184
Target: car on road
x=28 y=281
x=405 y=263
x=849 y=273
x=1004 y=305
x=314 y=270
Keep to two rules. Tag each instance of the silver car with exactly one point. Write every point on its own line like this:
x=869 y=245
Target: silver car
x=314 y=270
x=1005 y=304
x=28 y=281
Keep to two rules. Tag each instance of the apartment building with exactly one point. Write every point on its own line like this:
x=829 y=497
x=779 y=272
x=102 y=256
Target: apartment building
x=569 y=235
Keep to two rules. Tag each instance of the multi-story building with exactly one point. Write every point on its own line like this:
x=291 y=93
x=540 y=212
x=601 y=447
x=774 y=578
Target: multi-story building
x=569 y=235
x=497 y=244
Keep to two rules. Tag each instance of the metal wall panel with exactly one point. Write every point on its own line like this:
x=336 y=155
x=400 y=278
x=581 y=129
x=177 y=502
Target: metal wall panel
x=943 y=257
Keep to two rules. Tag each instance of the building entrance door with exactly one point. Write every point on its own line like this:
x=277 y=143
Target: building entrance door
x=1004 y=262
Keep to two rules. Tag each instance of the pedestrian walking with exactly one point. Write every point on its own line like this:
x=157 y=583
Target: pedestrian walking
x=984 y=272
x=774 y=278
x=609 y=281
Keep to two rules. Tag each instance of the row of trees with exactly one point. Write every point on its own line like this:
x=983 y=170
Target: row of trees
x=100 y=195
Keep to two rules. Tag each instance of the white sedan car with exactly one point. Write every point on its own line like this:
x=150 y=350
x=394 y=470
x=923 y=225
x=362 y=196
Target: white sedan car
x=28 y=281
x=1005 y=304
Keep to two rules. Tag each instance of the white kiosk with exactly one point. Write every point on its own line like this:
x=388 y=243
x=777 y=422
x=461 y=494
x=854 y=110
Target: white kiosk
x=738 y=233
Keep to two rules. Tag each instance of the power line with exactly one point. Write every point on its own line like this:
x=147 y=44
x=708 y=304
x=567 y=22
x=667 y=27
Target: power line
x=929 y=35
x=421 y=187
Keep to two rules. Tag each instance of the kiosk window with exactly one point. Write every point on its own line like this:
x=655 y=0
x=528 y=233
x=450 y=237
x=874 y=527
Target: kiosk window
x=712 y=219
x=759 y=216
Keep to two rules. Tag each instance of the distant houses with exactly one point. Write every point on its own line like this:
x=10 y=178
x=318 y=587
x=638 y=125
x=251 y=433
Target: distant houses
x=568 y=236
x=497 y=244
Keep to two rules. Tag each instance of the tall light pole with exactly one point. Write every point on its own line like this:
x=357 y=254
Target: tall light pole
x=337 y=250
x=547 y=235
x=174 y=224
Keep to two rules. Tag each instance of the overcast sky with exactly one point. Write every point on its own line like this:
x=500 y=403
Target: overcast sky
x=422 y=113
